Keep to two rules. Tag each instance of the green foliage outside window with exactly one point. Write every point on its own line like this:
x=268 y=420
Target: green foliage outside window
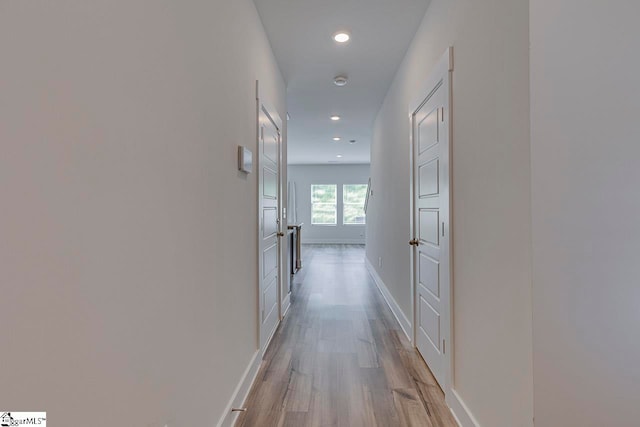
x=353 y=197
x=324 y=201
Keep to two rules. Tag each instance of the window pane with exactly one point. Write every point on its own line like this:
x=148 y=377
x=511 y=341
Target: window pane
x=354 y=193
x=353 y=214
x=323 y=214
x=323 y=194
x=353 y=197
x=324 y=204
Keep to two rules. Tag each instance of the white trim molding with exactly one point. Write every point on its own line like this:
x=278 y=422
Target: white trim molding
x=286 y=303
x=458 y=408
x=460 y=411
x=360 y=241
x=391 y=302
x=241 y=392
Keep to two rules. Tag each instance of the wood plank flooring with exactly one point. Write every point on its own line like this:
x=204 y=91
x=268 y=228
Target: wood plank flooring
x=340 y=358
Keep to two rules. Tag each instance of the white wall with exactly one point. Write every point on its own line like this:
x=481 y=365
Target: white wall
x=128 y=237
x=585 y=105
x=304 y=176
x=491 y=198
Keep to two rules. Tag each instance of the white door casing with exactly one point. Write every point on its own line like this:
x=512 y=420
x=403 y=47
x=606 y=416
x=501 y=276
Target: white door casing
x=269 y=221
x=430 y=117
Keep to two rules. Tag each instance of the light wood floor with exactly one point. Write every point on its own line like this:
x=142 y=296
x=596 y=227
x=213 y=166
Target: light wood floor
x=340 y=358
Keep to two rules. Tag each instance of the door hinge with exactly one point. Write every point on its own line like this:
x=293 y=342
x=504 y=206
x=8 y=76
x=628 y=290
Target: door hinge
x=444 y=348
x=442 y=228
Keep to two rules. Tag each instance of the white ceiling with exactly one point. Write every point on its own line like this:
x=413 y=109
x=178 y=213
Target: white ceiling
x=301 y=32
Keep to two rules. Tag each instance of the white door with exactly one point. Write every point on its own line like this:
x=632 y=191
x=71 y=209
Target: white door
x=431 y=201
x=269 y=219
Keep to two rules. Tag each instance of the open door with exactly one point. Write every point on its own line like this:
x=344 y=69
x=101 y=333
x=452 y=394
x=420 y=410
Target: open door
x=271 y=227
x=431 y=202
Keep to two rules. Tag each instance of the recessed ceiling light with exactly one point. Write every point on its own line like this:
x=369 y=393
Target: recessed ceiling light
x=335 y=118
x=336 y=138
x=339 y=156
x=341 y=37
x=352 y=141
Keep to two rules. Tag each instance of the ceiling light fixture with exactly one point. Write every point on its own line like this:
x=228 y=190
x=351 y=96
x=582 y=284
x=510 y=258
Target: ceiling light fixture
x=339 y=156
x=340 y=81
x=336 y=138
x=335 y=118
x=341 y=37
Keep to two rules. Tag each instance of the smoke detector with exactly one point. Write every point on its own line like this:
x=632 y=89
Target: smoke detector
x=340 y=80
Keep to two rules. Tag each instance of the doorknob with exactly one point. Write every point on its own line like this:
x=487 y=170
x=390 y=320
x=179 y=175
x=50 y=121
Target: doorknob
x=414 y=242
x=280 y=234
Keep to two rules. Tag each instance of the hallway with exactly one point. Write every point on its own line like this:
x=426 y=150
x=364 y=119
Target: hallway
x=340 y=358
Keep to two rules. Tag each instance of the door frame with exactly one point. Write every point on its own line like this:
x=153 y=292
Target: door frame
x=283 y=203
x=440 y=76
x=263 y=107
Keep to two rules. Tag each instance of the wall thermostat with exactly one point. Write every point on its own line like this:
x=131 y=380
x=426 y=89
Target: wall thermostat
x=245 y=159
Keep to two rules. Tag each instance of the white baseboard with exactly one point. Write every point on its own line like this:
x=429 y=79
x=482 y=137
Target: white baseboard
x=241 y=392
x=460 y=411
x=405 y=324
x=286 y=303
x=458 y=408
x=360 y=241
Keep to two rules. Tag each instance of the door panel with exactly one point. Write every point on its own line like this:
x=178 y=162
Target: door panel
x=270 y=299
x=270 y=183
x=270 y=261
x=429 y=274
x=428 y=130
x=429 y=226
x=429 y=182
x=430 y=323
x=270 y=221
x=271 y=142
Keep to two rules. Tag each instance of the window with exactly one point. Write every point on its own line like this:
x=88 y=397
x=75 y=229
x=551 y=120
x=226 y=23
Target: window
x=353 y=197
x=324 y=200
